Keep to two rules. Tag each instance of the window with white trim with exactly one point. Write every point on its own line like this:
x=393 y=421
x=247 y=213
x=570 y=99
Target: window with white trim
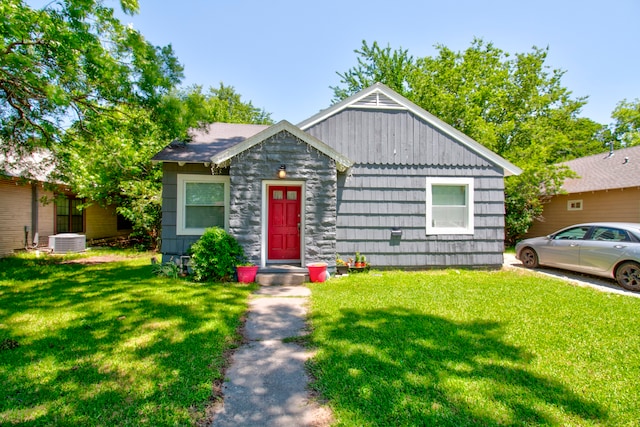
x=202 y=202
x=574 y=205
x=449 y=205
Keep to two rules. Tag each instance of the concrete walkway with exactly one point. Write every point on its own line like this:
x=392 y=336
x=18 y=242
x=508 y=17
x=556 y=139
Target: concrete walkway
x=266 y=383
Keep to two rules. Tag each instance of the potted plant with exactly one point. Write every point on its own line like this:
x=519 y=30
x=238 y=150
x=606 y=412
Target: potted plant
x=358 y=260
x=341 y=266
x=246 y=272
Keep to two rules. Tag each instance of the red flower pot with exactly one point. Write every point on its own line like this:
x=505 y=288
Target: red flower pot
x=247 y=273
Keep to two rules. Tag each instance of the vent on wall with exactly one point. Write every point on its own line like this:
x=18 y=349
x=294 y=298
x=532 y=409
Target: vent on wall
x=378 y=100
x=67 y=242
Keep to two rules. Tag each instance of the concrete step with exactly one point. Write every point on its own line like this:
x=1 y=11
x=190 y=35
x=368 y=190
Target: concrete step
x=286 y=278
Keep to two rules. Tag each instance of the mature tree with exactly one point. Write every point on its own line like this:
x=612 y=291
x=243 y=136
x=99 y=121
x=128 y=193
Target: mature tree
x=190 y=108
x=376 y=64
x=515 y=106
x=626 y=129
x=69 y=60
x=108 y=159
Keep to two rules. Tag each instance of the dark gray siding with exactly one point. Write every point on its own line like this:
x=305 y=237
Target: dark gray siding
x=392 y=137
x=304 y=163
x=247 y=172
x=394 y=152
x=172 y=244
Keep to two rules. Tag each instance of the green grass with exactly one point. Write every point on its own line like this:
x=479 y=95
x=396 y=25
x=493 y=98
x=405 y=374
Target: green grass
x=459 y=348
x=110 y=344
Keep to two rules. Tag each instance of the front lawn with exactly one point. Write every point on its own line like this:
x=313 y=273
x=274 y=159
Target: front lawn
x=110 y=344
x=457 y=348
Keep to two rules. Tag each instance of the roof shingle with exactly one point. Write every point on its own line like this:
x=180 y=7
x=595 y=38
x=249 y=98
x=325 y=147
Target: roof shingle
x=605 y=172
x=207 y=142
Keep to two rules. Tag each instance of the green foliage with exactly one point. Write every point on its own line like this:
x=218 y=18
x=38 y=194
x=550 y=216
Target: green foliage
x=166 y=269
x=463 y=348
x=110 y=344
x=513 y=105
x=626 y=129
x=182 y=110
x=215 y=256
x=107 y=159
x=70 y=59
x=376 y=64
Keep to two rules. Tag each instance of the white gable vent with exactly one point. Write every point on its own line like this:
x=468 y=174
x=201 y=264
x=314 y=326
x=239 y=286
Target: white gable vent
x=378 y=100
x=67 y=242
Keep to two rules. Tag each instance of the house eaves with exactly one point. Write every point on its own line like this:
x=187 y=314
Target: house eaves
x=221 y=159
x=379 y=96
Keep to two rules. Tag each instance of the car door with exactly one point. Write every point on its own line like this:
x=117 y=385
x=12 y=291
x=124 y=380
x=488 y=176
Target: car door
x=603 y=249
x=563 y=248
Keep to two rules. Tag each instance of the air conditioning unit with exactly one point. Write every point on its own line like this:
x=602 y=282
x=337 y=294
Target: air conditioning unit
x=67 y=242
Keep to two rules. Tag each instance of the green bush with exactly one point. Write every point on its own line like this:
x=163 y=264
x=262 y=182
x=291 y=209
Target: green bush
x=166 y=269
x=215 y=255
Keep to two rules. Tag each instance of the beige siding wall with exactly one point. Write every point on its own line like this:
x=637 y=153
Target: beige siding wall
x=15 y=214
x=612 y=205
x=46 y=216
x=101 y=222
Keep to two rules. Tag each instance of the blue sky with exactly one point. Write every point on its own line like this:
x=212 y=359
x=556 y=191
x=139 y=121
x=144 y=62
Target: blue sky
x=283 y=55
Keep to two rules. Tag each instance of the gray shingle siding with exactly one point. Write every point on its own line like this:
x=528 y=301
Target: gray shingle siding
x=394 y=152
x=392 y=137
x=173 y=246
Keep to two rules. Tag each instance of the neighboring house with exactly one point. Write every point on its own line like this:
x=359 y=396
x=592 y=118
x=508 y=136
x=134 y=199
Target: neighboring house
x=607 y=189
x=32 y=209
x=374 y=174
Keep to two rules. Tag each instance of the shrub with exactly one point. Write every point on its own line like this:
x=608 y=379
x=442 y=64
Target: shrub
x=215 y=255
x=166 y=269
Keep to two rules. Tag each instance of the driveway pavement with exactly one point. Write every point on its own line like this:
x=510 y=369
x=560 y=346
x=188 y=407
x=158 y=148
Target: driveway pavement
x=599 y=283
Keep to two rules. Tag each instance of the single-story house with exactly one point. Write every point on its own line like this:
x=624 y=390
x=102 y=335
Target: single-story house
x=374 y=174
x=32 y=208
x=607 y=188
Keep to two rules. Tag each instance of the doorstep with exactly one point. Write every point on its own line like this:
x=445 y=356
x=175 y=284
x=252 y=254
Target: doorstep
x=282 y=275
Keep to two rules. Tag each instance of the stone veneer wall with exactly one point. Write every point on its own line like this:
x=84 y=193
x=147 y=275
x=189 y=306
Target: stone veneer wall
x=305 y=164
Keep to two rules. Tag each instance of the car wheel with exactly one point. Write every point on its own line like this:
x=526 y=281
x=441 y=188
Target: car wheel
x=529 y=258
x=628 y=275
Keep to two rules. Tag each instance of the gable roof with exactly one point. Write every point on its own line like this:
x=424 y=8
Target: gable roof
x=605 y=171
x=222 y=158
x=207 y=142
x=378 y=96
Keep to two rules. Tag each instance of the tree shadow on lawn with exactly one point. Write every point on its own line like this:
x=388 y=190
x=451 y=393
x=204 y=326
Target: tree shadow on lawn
x=127 y=346
x=400 y=367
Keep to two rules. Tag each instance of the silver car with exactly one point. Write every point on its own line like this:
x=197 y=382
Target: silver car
x=607 y=249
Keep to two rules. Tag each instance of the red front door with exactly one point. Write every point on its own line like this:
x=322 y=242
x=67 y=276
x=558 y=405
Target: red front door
x=284 y=223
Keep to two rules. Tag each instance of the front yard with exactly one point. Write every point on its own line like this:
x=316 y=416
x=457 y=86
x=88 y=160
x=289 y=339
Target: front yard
x=109 y=343
x=456 y=348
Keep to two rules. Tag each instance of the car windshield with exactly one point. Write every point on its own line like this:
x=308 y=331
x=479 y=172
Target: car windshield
x=574 y=233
